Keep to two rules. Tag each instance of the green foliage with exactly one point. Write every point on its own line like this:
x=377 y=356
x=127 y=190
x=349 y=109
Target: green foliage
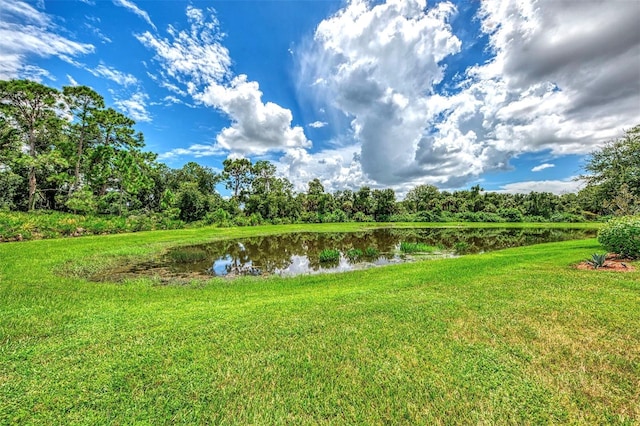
x=361 y=217
x=10 y=186
x=622 y=236
x=371 y=252
x=193 y=204
x=18 y=226
x=566 y=217
x=597 y=260
x=82 y=202
x=407 y=247
x=613 y=179
x=461 y=247
x=329 y=255
x=511 y=214
x=354 y=254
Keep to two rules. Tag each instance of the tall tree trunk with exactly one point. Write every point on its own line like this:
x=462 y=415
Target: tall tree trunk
x=32 y=188
x=32 y=170
x=76 y=181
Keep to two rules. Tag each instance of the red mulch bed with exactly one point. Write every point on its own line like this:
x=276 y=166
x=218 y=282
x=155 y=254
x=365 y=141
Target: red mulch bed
x=613 y=263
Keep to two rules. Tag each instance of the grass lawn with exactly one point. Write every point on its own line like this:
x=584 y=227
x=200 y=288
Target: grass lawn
x=511 y=337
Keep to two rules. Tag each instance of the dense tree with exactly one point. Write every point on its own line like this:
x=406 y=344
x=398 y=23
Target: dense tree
x=237 y=175
x=384 y=201
x=29 y=108
x=83 y=103
x=614 y=167
x=422 y=198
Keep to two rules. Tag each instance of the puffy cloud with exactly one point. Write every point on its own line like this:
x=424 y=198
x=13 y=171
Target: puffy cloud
x=542 y=167
x=135 y=106
x=557 y=187
x=198 y=61
x=135 y=9
x=25 y=32
x=378 y=64
x=318 y=124
x=562 y=77
x=337 y=168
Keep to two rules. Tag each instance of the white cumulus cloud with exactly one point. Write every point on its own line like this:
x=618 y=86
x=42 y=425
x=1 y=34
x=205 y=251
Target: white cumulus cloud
x=542 y=167
x=197 y=60
x=318 y=124
x=562 y=77
x=557 y=187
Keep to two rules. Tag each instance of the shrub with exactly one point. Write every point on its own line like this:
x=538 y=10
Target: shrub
x=597 y=260
x=566 y=217
x=361 y=217
x=511 y=214
x=622 y=236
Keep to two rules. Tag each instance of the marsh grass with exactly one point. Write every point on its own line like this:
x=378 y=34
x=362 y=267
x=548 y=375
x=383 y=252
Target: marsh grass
x=406 y=247
x=516 y=336
x=354 y=254
x=371 y=252
x=329 y=255
x=187 y=255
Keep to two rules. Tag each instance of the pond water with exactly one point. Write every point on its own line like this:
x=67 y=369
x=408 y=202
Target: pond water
x=302 y=253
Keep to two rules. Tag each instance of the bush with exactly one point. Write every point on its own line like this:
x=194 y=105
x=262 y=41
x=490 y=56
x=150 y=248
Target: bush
x=622 y=236
x=511 y=214
x=361 y=217
x=566 y=217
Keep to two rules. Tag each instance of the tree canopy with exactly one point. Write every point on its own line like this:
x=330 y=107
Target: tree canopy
x=66 y=150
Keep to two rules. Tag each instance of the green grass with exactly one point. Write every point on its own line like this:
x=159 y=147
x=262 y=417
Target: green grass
x=511 y=337
x=407 y=247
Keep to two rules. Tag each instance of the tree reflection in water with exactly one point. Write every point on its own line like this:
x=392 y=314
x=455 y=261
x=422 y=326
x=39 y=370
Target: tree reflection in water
x=298 y=253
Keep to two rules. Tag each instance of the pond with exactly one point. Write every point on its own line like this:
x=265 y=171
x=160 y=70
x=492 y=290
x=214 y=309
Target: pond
x=308 y=253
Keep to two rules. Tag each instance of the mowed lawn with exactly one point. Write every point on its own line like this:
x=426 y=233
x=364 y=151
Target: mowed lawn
x=517 y=336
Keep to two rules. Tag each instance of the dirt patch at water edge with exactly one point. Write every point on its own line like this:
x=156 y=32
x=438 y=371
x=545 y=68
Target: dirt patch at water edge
x=612 y=263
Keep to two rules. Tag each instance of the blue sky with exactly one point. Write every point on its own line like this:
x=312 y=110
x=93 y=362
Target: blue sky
x=510 y=95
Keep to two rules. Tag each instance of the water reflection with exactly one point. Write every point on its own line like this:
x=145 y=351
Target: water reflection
x=299 y=253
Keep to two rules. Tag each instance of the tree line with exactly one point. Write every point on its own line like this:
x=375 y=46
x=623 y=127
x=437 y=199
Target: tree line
x=64 y=150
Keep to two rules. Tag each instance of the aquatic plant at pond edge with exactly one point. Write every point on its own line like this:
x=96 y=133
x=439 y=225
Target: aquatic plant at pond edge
x=187 y=255
x=371 y=252
x=354 y=254
x=406 y=247
x=461 y=247
x=329 y=255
